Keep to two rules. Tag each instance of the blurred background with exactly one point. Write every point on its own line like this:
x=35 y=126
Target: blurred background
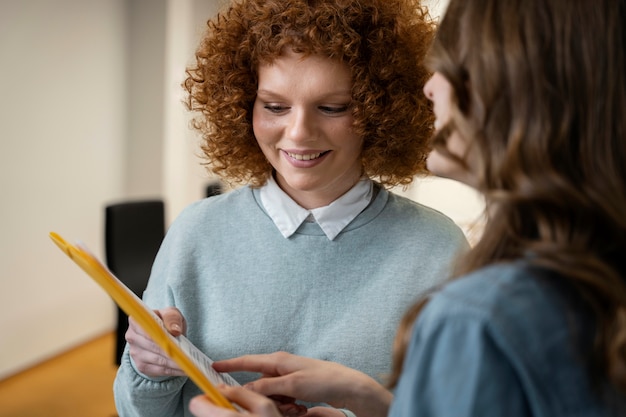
x=91 y=114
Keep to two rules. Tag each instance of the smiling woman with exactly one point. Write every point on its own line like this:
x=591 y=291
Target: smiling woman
x=382 y=47
x=317 y=107
x=302 y=121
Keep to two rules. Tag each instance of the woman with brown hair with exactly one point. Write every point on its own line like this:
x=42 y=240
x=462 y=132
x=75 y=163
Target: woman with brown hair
x=530 y=105
x=316 y=107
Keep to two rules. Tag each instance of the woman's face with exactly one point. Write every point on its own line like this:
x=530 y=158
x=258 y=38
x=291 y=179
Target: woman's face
x=302 y=120
x=439 y=90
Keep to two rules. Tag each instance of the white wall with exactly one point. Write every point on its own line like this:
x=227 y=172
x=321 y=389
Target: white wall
x=184 y=178
x=436 y=7
x=145 y=92
x=62 y=127
x=82 y=124
x=90 y=113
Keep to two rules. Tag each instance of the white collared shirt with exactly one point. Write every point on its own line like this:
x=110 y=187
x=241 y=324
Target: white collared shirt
x=333 y=218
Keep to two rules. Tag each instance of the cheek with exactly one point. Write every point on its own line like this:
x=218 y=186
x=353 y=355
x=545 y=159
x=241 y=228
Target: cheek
x=442 y=166
x=357 y=145
x=352 y=148
x=350 y=140
x=262 y=127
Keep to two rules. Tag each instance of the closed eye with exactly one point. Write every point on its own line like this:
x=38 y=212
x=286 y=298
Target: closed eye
x=275 y=108
x=334 y=109
x=330 y=110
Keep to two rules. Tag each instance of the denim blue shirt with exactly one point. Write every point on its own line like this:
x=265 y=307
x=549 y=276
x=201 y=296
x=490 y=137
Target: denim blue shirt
x=499 y=342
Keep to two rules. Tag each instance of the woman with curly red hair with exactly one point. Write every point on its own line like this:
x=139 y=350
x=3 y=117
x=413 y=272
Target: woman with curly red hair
x=316 y=108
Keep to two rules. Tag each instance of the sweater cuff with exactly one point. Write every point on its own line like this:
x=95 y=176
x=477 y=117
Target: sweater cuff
x=346 y=412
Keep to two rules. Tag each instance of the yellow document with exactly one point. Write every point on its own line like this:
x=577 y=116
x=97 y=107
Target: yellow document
x=190 y=359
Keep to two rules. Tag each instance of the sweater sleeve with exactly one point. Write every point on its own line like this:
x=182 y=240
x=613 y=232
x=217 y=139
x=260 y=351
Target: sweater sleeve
x=137 y=395
x=455 y=369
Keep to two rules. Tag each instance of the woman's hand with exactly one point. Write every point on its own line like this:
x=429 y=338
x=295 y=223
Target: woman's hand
x=149 y=358
x=313 y=380
x=257 y=405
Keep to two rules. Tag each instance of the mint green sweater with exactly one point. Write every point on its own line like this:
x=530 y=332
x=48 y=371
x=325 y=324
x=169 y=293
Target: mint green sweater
x=243 y=288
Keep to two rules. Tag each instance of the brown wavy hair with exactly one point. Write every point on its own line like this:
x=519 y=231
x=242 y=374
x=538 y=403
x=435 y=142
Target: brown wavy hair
x=383 y=42
x=540 y=90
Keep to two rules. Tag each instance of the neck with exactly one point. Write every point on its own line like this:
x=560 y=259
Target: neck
x=318 y=196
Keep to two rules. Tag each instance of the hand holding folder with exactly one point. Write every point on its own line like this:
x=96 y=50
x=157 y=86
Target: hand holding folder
x=190 y=359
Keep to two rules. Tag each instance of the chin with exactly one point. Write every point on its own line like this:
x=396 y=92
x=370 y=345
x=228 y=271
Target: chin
x=443 y=167
x=302 y=184
x=440 y=166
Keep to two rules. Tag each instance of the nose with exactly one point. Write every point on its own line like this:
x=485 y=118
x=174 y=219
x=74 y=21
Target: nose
x=428 y=89
x=300 y=125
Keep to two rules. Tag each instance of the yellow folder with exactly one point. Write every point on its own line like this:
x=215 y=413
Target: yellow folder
x=179 y=350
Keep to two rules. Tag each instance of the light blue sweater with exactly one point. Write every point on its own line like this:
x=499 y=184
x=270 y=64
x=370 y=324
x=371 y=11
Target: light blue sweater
x=243 y=288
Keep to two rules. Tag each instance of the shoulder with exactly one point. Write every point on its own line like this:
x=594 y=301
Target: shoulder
x=499 y=295
x=216 y=209
x=525 y=318
x=221 y=202
x=514 y=303
x=220 y=215
x=426 y=222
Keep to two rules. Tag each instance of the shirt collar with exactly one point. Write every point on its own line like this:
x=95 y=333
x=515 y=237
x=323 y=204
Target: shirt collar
x=288 y=215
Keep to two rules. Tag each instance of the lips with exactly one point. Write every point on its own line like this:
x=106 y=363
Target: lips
x=306 y=156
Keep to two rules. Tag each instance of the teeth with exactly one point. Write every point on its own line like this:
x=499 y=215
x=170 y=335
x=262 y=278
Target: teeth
x=301 y=157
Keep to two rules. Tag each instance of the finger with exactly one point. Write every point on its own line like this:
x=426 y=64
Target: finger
x=147 y=355
x=201 y=406
x=283 y=386
x=292 y=409
x=251 y=401
x=250 y=363
x=141 y=341
x=134 y=327
x=173 y=320
x=271 y=364
x=151 y=364
x=156 y=371
x=324 y=412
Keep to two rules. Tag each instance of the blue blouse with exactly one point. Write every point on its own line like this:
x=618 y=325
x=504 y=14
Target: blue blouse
x=500 y=342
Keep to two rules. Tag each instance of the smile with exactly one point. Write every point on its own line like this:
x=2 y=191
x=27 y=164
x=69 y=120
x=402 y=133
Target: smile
x=305 y=157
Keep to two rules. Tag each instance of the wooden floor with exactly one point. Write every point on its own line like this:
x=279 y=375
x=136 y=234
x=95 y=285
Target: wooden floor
x=78 y=383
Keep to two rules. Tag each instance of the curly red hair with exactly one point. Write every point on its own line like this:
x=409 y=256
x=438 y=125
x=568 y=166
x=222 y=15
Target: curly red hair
x=383 y=42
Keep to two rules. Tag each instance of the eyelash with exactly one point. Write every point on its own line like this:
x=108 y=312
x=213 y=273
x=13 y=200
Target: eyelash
x=334 y=110
x=274 y=108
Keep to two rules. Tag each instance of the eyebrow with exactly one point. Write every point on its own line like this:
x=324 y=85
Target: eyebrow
x=330 y=94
